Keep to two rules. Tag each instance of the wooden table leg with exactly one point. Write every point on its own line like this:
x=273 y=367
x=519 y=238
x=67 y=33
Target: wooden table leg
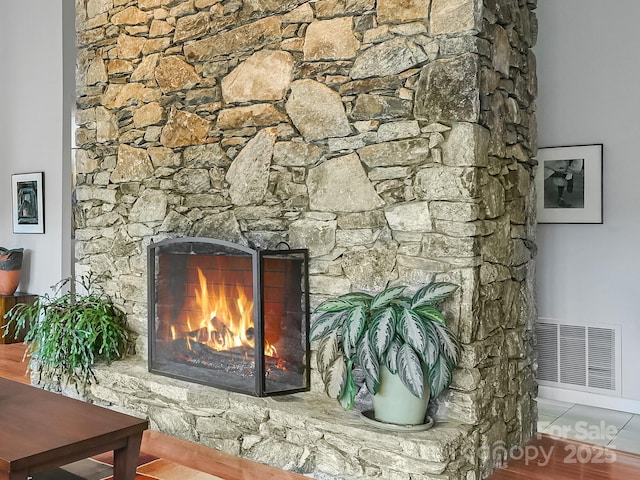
x=125 y=460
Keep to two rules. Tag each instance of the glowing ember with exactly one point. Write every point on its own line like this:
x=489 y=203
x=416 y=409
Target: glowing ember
x=225 y=320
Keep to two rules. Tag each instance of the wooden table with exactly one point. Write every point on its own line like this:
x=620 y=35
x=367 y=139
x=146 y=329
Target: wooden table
x=40 y=430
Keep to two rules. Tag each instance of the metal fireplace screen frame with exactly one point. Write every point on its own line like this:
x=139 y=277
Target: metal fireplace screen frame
x=263 y=386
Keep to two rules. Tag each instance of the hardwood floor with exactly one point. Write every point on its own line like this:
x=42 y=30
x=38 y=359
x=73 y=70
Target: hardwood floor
x=545 y=458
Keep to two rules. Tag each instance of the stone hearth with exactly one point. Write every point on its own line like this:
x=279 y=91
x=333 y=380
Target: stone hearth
x=303 y=432
x=391 y=138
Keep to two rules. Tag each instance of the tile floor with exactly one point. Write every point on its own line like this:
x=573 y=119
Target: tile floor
x=611 y=428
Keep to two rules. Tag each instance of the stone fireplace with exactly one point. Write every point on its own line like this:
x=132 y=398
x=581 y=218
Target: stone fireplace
x=229 y=316
x=392 y=139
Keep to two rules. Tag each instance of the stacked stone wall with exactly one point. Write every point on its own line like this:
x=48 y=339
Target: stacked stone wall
x=392 y=138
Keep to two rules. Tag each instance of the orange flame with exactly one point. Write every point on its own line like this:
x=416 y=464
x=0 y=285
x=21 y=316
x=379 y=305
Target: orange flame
x=225 y=321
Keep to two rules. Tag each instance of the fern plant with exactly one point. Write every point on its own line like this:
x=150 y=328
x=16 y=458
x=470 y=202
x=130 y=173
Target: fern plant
x=67 y=333
x=358 y=330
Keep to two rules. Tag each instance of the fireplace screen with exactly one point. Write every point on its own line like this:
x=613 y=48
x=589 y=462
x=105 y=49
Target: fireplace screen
x=229 y=316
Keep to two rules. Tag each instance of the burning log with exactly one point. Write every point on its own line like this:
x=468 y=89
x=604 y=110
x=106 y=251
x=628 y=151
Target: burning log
x=238 y=361
x=195 y=352
x=218 y=335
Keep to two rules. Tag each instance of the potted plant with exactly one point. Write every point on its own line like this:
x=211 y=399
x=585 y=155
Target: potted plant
x=401 y=343
x=10 y=268
x=69 y=332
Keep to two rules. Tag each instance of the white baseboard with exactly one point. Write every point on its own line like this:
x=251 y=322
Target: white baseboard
x=591 y=399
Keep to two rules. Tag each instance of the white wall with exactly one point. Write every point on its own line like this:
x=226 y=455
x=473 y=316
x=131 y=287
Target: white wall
x=32 y=133
x=589 y=73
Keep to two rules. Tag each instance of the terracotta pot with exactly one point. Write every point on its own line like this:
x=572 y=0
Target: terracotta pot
x=10 y=268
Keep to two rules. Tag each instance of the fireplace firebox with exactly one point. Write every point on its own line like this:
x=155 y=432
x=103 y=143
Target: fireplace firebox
x=229 y=316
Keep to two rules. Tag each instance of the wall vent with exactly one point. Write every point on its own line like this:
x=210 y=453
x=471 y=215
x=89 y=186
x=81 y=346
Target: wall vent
x=579 y=357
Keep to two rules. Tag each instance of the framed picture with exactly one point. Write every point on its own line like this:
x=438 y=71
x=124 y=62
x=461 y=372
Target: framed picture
x=569 y=184
x=28 y=202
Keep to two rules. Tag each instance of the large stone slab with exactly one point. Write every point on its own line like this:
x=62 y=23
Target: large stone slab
x=296 y=154
x=264 y=76
x=248 y=175
x=133 y=164
x=453 y=184
x=317 y=111
x=447 y=90
x=149 y=114
x=400 y=11
x=130 y=16
x=246 y=37
x=381 y=107
x=262 y=7
x=191 y=26
x=206 y=156
x=335 y=8
x=119 y=95
x=151 y=206
x=258 y=115
x=330 y=40
x=223 y=226
x=388 y=58
x=409 y=217
x=130 y=47
x=106 y=125
x=318 y=236
x=370 y=269
x=455 y=16
x=173 y=73
x=341 y=185
x=467 y=144
x=192 y=181
x=400 y=153
x=183 y=129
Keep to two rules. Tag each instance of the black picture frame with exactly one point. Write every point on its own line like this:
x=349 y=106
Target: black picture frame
x=569 y=184
x=28 y=202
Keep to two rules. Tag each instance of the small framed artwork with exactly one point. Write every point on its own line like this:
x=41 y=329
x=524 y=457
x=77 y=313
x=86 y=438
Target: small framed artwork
x=569 y=184
x=28 y=202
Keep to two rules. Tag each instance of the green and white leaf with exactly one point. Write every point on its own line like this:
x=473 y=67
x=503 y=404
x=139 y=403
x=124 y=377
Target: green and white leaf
x=440 y=375
x=382 y=330
x=432 y=294
x=386 y=296
x=333 y=305
x=448 y=342
x=369 y=362
x=412 y=329
x=335 y=378
x=392 y=355
x=410 y=370
x=355 y=325
x=347 y=350
x=357 y=298
x=328 y=351
x=431 y=350
x=326 y=322
x=430 y=313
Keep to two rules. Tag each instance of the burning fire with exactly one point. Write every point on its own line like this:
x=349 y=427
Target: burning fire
x=225 y=322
